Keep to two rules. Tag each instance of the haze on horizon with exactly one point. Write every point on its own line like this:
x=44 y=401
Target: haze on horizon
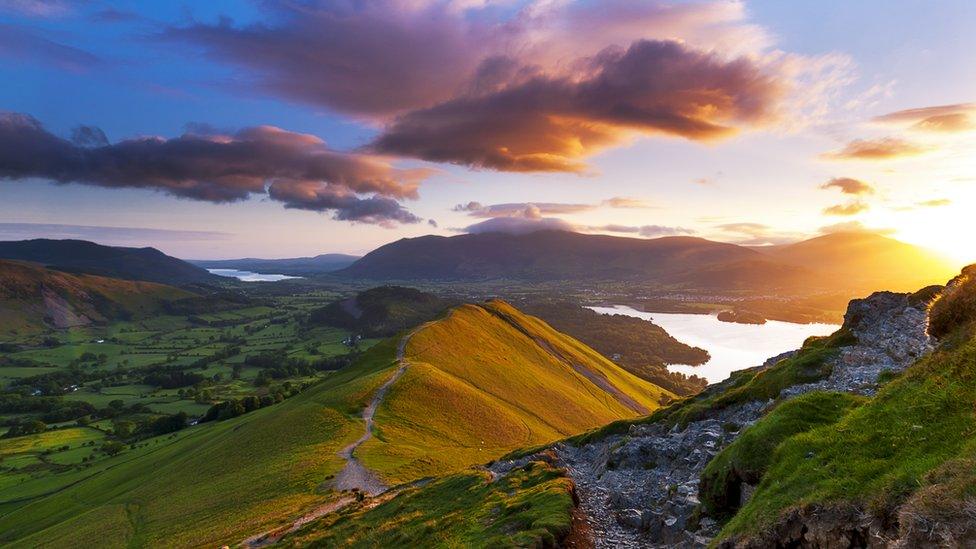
x=237 y=129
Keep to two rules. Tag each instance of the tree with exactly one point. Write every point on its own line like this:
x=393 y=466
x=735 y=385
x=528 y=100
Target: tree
x=113 y=447
x=124 y=429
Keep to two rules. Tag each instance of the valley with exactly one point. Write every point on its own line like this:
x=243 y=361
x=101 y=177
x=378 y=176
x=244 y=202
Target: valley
x=312 y=410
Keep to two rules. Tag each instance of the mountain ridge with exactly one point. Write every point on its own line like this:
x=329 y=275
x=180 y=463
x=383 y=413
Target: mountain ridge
x=82 y=256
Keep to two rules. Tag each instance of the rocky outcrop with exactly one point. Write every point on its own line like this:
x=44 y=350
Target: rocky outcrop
x=640 y=489
x=891 y=334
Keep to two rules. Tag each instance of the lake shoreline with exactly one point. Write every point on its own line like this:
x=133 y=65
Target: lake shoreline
x=732 y=346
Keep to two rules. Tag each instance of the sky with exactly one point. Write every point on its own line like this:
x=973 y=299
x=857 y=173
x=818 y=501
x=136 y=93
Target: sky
x=279 y=129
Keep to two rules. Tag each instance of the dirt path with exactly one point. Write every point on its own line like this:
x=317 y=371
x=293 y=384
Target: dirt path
x=354 y=475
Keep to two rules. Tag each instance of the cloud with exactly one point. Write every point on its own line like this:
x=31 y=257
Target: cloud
x=886 y=148
x=518 y=225
x=117 y=236
x=21 y=45
x=853 y=227
x=626 y=203
x=935 y=203
x=942 y=118
x=532 y=87
x=538 y=209
x=375 y=59
x=757 y=234
x=521 y=209
x=432 y=223
x=546 y=123
x=37 y=8
x=851 y=208
x=849 y=185
x=642 y=230
x=296 y=169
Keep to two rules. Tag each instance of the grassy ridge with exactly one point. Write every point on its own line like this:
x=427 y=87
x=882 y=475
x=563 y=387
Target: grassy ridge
x=529 y=507
x=487 y=380
x=216 y=483
x=905 y=458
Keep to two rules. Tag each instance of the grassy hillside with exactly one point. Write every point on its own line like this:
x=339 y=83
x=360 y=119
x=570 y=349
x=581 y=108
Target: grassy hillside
x=900 y=465
x=482 y=381
x=214 y=483
x=488 y=379
x=33 y=298
x=80 y=256
x=639 y=346
x=382 y=311
x=526 y=508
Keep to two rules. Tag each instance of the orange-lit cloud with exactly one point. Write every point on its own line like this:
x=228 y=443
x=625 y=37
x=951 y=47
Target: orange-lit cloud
x=886 y=148
x=545 y=123
x=853 y=227
x=849 y=185
x=851 y=208
x=627 y=203
x=935 y=203
x=943 y=118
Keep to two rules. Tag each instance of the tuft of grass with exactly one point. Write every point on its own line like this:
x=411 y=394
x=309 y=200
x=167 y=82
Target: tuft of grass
x=956 y=306
x=748 y=457
x=879 y=454
x=529 y=507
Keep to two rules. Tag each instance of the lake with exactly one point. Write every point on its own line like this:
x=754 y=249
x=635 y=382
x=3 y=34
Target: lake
x=731 y=346
x=248 y=276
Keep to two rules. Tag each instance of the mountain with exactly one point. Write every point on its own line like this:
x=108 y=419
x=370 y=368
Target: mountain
x=33 y=298
x=868 y=260
x=547 y=255
x=81 y=256
x=864 y=438
x=458 y=391
x=298 y=266
x=382 y=311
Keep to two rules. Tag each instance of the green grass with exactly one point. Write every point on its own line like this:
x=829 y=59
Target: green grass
x=880 y=454
x=480 y=385
x=748 y=457
x=808 y=365
x=527 y=508
x=214 y=483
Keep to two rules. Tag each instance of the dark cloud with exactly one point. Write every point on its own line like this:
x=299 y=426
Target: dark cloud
x=851 y=208
x=432 y=223
x=886 y=148
x=519 y=225
x=296 y=169
x=942 y=118
x=21 y=45
x=849 y=185
x=549 y=123
x=364 y=58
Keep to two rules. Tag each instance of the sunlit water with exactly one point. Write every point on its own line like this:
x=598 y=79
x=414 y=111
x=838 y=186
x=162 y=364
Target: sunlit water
x=732 y=346
x=248 y=276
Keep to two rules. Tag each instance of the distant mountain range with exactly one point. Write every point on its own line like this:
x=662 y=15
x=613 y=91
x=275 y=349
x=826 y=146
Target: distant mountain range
x=81 y=256
x=297 y=266
x=842 y=259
